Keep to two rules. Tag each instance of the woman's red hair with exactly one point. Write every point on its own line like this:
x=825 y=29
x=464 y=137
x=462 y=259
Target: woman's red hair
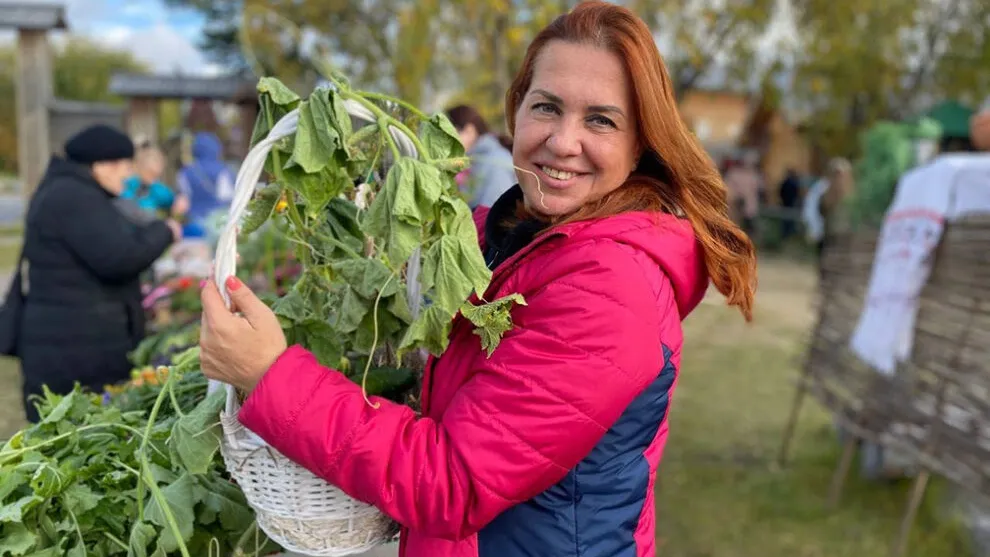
x=675 y=174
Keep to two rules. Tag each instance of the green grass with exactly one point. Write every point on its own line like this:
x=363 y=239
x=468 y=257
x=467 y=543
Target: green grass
x=9 y=252
x=15 y=230
x=721 y=494
x=11 y=409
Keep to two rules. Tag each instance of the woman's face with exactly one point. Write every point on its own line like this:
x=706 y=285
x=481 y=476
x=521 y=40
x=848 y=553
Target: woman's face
x=576 y=134
x=468 y=134
x=111 y=174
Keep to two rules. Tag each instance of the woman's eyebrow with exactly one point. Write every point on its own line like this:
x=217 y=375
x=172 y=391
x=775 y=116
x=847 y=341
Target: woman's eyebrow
x=593 y=108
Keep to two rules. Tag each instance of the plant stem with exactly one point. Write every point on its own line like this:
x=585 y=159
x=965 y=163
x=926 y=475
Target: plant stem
x=175 y=401
x=252 y=529
x=293 y=210
x=115 y=540
x=270 y=256
x=400 y=102
x=11 y=455
x=390 y=121
x=383 y=127
x=374 y=342
x=75 y=522
x=337 y=243
x=152 y=416
x=163 y=503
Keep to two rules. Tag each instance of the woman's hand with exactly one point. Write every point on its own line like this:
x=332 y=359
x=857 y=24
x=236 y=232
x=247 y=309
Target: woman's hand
x=238 y=349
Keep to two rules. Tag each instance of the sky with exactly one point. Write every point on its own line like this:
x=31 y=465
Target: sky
x=164 y=38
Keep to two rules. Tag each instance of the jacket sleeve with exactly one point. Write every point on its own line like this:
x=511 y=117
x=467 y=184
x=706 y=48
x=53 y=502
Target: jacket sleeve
x=584 y=347
x=113 y=248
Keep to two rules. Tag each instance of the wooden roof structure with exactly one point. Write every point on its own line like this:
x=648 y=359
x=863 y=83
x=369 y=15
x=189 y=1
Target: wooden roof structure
x=32 y=16
x=133 y=85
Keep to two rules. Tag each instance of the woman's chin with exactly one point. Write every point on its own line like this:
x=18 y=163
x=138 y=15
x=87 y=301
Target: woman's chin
x=548 y=204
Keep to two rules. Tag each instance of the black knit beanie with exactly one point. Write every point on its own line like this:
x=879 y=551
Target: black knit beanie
x=97 y=144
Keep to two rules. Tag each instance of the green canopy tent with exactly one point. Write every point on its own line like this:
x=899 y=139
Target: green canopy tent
x=953 y=117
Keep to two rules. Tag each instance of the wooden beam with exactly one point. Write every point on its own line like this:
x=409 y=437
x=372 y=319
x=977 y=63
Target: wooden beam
x=142 y=118
x=33 y=94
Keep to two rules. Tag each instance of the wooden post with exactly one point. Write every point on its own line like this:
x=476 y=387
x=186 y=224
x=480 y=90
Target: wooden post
x=142 y=118
x=34 y=95
x=914 y=503
x=842 y=471
x=791 y=428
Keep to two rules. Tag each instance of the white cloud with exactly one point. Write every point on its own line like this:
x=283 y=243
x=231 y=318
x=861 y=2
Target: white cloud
x=161 y=46
x=138 y=26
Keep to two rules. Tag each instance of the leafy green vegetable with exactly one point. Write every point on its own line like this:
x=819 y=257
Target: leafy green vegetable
x=99 y=478
x=196 y=436
x=351 y=299
x=492 y=320
x=260 y=208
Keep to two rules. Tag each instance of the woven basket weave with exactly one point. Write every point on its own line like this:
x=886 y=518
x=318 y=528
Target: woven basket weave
x=294 y=507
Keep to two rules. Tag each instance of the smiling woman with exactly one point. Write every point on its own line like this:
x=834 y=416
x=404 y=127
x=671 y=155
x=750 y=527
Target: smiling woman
x=575 y=135
x=549 y=446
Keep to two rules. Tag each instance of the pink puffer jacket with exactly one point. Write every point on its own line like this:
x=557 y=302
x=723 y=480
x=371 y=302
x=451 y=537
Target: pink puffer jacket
x=547 y=448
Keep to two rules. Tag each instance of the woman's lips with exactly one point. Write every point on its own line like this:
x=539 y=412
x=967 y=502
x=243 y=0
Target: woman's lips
x=557 y=178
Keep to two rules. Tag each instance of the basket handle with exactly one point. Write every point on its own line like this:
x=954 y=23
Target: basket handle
x=225 y=260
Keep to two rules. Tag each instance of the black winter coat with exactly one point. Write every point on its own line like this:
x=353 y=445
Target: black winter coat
x=83 y=311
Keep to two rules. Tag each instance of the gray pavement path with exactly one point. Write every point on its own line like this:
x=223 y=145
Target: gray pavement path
x=11 y=209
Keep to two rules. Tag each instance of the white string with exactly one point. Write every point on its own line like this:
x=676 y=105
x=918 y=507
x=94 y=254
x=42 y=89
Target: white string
x=225 y=260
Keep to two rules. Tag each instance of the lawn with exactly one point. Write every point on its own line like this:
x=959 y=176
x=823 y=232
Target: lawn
x=719 y=493
x=9 y=251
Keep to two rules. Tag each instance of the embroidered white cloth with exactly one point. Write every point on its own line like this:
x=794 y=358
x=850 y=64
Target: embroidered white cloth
x=948 y=188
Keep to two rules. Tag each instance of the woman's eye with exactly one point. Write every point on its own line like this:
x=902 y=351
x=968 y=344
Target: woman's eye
x=545 y=108
x=600 y=120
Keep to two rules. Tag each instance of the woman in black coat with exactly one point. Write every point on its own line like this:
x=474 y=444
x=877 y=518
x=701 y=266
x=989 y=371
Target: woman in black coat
x=82 y=262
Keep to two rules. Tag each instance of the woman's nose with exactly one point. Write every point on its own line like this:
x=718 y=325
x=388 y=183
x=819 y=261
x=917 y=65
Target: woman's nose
x=564 y=142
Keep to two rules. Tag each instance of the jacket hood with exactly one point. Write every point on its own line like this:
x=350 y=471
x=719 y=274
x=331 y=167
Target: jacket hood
x=206 y=147
x=667 y=240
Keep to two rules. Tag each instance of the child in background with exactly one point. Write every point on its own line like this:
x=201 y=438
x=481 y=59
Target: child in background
x=145 y=188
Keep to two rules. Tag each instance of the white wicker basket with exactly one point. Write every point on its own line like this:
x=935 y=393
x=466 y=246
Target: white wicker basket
x=294 y=507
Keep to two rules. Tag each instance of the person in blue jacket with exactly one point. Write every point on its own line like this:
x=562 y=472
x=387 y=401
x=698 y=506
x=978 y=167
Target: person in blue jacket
x=206 y=181
x=491 y=172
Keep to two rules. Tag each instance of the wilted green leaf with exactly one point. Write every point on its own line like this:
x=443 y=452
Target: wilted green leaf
x=279 y=93
x=440 y=138
x=453 y=269
x=430 y=330
x=367 y=277
x=400 y=235
x=492 y=320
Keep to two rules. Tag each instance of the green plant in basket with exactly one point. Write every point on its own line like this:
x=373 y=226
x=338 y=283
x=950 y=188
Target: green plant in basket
x=356 y=233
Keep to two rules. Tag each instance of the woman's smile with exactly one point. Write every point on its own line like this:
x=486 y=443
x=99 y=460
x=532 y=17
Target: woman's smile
x=558 y=177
